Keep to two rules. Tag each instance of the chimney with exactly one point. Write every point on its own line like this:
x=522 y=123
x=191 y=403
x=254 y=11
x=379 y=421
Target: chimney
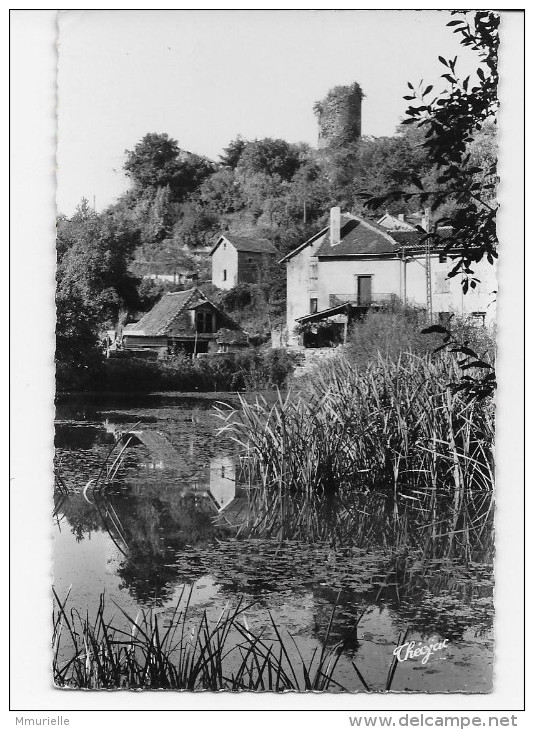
x=335 y=226
x=425 y=223
x=401 y=217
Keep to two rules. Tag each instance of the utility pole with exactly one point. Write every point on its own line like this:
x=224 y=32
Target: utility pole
x=428 y=265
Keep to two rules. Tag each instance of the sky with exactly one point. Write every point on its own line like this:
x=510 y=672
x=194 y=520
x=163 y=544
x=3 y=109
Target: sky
x=205 y=76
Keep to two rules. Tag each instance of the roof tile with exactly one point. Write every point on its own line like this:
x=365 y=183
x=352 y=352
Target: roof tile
x=364 y=238
x=358 y=237
x=158 y=320
x=248 y=244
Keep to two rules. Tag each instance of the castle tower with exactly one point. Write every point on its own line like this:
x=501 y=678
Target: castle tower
x=339 y=116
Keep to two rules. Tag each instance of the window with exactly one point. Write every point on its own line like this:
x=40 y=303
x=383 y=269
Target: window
x=204 y=322
x=443 y=258
x=313 y=271
x=364 y=290
x=478 y=318
x=224 y=274
x=313 y=305
x=442 y=282
x=224 y=246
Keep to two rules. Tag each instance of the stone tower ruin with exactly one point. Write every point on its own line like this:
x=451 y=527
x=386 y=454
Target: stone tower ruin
x=339 y=116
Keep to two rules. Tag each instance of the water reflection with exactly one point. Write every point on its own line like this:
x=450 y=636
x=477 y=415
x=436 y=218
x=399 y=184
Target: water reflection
x=222 y=480
x=172 y=518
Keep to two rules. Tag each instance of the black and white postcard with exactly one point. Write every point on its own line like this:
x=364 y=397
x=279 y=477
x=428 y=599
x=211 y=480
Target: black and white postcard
x=277 y=296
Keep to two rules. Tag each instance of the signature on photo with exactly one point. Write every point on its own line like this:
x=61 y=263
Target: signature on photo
x=409 y=650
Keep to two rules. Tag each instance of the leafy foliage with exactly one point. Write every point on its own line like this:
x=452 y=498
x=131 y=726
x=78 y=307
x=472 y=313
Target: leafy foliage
x=442 y=156
x=477 y=378
x=94 y=285
x=388 y=334
x=452 y=120
x=251 y=369
x=157 y=162
x=232 y=154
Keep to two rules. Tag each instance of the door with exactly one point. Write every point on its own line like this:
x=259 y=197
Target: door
x=364 y=291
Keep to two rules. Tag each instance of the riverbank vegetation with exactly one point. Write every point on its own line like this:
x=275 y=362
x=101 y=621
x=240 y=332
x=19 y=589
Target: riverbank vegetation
x=183 y=654
x=383 y=448
x=398 y=330
x=395 y=430
x=252 y=369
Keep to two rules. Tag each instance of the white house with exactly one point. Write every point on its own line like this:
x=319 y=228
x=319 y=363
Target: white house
x=363 y=264
x=239 y=259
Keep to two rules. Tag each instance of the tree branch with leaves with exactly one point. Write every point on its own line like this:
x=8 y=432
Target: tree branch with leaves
x=451 y=121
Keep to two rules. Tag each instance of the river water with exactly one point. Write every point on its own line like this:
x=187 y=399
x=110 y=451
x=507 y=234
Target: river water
x=169 y=525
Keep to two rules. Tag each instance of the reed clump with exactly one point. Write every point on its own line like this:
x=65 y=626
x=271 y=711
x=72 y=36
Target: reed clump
x=394 y=428
x=184 y=654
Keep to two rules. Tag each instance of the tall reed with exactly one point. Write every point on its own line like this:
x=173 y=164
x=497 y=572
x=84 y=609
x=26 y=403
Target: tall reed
x=181 y=653
x=394 y=429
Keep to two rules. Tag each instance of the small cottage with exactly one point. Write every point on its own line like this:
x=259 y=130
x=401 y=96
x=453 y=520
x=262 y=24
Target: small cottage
x=185 y=321
x=239 y=260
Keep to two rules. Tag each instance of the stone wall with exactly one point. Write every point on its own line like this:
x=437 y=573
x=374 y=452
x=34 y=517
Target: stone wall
x=250 y=266
x=339 y=116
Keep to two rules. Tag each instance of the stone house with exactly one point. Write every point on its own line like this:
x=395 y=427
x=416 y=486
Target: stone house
x=353 y=264
x=239 y=260
x=185 y=321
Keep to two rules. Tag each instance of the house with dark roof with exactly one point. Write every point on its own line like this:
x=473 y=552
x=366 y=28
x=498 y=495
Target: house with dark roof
x=237 y=259
x=354 y=264
x=396 y=223
x=186 y=321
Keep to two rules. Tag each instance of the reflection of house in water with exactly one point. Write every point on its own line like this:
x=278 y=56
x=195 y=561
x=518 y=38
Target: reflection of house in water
x=115 y=429
x=217 y=485
x=222 y=480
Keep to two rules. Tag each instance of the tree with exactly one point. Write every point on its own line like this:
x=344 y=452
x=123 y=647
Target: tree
x=309 y=193
x=451 y=122
x=232 y=154
x=153 y=161
x=221 y=192
x=159 y=218
x=94 y=253
x=197 y=225
x=270 y=157
x=157 y=162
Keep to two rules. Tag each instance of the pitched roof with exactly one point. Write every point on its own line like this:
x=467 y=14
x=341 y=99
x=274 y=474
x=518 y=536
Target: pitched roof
x=392 y=223
x=415 y=240
x=166 y=316
x=247 y=243
x=360 y=237
x=157 y=322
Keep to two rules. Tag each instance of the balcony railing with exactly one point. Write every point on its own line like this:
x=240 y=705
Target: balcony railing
x=376 y=299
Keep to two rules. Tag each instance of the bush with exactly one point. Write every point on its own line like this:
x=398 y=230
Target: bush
x=389 y=333
x=251 y=369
